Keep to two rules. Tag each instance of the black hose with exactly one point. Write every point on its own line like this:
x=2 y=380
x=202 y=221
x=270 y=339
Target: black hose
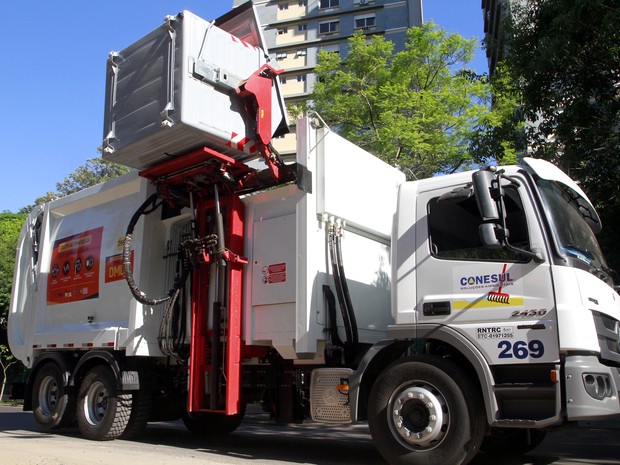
x=133 y=287
x=345 y=291
x=339 y=289
x=331 y=312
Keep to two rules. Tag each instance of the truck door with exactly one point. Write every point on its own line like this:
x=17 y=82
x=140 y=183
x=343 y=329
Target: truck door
x=500 y=300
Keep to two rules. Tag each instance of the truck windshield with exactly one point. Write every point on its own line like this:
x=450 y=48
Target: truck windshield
x=575 y=239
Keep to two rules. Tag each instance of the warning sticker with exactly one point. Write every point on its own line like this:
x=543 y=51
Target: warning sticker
x=273 y=274
x=74 y=268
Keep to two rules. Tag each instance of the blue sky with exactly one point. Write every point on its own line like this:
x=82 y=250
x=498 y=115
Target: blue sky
x=53 y=78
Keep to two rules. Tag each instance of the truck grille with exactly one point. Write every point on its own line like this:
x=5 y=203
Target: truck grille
x=608 y=330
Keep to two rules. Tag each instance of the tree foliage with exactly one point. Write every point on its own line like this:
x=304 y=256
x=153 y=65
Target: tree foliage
x=564 y=60
x=95 y=171
x=10 y=227
x=417 y=109
x=6 y=360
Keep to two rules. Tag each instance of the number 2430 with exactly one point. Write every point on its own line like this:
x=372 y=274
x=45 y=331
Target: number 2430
x=521 y=349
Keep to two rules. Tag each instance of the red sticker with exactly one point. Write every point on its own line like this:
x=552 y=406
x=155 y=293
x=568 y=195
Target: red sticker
x=273 y=274
x=74 y=268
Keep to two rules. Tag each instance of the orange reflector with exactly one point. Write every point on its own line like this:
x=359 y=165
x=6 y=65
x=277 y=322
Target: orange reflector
x=554 y=375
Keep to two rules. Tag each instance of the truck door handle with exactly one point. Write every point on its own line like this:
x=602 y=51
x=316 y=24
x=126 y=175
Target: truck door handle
x=436 y=308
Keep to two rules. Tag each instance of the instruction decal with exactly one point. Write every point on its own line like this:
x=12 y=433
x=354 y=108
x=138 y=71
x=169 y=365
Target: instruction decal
x=74 y=268
x=274 y=274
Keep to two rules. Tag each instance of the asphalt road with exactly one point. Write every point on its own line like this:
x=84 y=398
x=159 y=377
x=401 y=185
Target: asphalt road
x=259 y=442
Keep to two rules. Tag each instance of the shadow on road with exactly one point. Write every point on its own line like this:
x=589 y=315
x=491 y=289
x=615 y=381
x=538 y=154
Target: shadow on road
x=258 y=439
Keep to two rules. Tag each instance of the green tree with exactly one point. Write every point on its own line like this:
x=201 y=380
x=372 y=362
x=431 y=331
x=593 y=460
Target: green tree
x=563 y=57
x=95 y=171
x=6 y=360
x=417 y=109
x=10 y=227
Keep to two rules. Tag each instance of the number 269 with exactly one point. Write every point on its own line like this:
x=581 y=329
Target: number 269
x=521 y=349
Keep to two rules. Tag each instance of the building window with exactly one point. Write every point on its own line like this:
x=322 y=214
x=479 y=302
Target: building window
x=282 y=80
x=282 y=31
x=329 y=3
x=301 y=53
x=280 y=55
x=303 y=3
x=283 y=6
x=301 y=78
x=364 y=21
x=329 y=27
x=302 y=27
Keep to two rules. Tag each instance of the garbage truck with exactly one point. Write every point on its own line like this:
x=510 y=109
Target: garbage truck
x=465 y=312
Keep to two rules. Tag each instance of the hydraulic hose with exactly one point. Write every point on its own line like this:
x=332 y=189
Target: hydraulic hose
x=149 y=206
x=331 y=312
x=345 y=291
x=338 y=284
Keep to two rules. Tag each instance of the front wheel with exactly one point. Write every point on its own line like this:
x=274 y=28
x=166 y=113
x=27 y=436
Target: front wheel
x=102 y=413
x=425 y=410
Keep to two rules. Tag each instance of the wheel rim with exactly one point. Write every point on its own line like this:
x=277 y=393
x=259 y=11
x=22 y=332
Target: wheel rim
x=48 y=395
x=96 y=403
x=418 y=415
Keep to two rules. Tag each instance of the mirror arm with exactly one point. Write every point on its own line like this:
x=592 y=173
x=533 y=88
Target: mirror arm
x=535 y=254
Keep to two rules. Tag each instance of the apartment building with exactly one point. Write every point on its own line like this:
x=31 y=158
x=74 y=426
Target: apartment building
x=295 y=31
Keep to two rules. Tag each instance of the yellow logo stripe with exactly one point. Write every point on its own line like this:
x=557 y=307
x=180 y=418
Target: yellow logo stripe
x=484 y=303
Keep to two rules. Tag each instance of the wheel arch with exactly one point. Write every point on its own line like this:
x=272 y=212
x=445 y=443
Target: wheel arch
x=95 y=358
x=431 y=339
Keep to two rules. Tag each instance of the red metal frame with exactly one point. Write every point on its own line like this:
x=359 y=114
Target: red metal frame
x=212 y=167
x=195 y=173
x=200 y=354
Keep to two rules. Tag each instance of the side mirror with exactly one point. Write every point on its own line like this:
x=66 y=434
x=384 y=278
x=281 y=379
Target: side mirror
x=488 y=236
x=482 y=181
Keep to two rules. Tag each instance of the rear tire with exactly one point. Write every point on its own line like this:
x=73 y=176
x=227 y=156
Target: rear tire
x=141 y=409
x=102 y=413
x=425 y=410
x=52 y=404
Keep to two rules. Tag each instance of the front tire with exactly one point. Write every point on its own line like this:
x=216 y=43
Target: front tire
x=102 y=413
x=425 y=410
x=52 y=404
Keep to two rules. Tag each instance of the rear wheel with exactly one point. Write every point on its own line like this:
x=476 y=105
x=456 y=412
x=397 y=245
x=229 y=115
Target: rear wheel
x=426 y=411
x=102 y=413
x=52 y=404
x=141 y=409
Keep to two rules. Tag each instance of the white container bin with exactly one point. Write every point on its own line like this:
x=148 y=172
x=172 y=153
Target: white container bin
x=174 y=91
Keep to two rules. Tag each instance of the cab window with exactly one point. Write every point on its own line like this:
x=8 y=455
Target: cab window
x=454 y=228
